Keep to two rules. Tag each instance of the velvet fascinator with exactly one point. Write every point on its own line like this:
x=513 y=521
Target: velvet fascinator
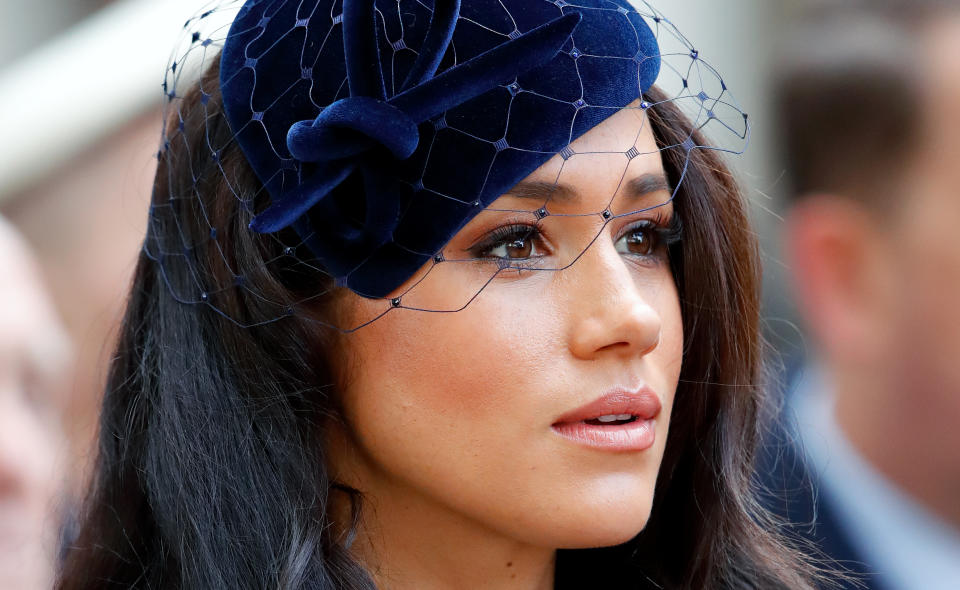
x=344 y=110
x=379 y=128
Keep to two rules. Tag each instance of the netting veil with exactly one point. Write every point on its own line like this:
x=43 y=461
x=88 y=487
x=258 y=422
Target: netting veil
x=376 y=130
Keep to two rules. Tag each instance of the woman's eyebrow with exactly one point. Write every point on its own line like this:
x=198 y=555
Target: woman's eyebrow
x=634 y=188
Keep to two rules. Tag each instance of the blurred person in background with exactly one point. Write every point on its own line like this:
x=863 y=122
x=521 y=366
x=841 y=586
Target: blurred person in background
x=34 y=359
x=869 y=464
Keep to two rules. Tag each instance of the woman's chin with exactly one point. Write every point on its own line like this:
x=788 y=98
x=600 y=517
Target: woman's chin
x=603 y=531
x=587 y=526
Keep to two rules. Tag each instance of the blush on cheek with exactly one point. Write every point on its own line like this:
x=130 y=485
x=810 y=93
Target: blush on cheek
x=480 y=359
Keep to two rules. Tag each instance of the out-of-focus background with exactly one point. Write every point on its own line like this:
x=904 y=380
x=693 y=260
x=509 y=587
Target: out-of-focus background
x=80 y=98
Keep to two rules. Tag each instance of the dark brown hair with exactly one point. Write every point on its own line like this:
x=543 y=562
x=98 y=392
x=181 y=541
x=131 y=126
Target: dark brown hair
x=211 y=470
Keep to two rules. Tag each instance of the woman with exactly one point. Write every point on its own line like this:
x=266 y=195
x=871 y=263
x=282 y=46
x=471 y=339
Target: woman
x=464 y=345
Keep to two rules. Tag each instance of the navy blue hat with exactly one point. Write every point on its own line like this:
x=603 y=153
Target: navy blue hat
x=381 y=128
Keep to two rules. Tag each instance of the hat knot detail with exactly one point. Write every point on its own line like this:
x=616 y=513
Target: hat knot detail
x=353 y=126
x=356 y=132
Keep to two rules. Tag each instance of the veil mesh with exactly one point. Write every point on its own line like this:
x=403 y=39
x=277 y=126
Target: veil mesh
x=192 y=252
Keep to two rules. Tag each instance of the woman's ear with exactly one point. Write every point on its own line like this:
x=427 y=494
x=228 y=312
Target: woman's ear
x=835 y=253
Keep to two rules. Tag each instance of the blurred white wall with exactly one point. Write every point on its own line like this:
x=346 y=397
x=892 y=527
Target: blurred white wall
x=84 y=84
x=30 y=23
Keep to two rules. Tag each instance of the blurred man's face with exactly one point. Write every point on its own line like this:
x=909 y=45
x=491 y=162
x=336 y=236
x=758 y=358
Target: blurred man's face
x=878 y=281
x=33 y=354
x=924 y=249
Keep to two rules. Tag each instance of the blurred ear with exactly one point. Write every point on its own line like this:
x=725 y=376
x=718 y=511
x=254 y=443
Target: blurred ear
x=835 y=252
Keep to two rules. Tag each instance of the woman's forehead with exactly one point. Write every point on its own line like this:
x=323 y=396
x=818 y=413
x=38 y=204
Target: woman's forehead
x=618 y=159
x=619 y=138
x=629 y=126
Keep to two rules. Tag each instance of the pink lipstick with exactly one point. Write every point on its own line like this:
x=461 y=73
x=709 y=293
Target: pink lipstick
x=621 y=420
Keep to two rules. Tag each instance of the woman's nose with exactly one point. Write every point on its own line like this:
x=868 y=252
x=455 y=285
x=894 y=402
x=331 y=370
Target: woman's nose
x=611 y=313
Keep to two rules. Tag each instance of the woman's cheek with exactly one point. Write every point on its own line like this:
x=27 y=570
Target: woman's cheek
x=428 y=378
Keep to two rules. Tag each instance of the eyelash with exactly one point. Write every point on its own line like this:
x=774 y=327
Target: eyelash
x=666 y=233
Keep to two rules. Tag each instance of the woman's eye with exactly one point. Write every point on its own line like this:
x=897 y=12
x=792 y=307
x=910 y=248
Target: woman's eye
x=640 y=240
x=525 y=242
x=509 y=243
x=519 y=248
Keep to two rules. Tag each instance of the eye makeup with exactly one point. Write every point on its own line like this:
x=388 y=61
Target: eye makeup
x=518 y=242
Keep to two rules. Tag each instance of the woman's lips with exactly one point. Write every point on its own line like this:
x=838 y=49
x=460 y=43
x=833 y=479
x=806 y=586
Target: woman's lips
x=600 y=424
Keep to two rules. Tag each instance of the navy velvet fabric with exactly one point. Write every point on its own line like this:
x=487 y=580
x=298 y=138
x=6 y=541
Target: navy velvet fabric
x=381 y=128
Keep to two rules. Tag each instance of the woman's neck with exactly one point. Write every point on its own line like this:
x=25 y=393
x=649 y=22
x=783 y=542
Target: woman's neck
x=407 y=542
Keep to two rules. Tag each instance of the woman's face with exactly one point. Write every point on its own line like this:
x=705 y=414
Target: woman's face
x=462 y=412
